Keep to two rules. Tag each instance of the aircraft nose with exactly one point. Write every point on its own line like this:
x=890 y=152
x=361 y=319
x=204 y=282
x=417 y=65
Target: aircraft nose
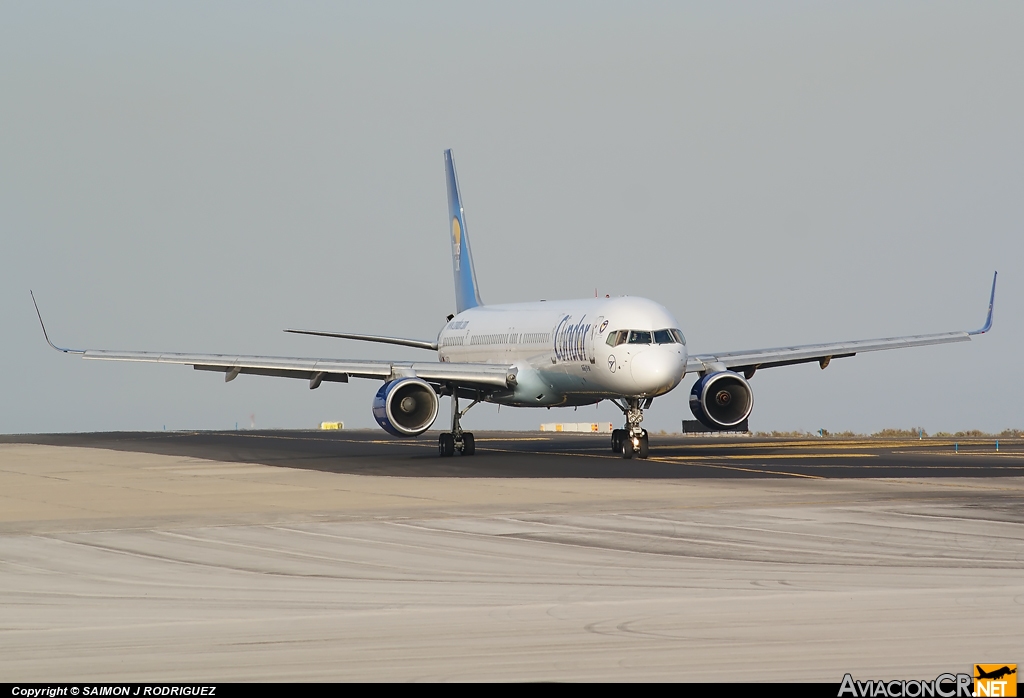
x=657 y=370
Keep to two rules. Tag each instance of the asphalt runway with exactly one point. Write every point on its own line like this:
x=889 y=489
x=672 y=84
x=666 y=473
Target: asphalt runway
x=234 y=556
x=540 y=455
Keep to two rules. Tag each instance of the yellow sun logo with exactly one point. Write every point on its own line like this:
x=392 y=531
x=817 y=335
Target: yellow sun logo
x=457 y=242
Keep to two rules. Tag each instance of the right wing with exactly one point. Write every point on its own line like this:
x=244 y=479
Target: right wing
x=487 y=376
x=317 y=370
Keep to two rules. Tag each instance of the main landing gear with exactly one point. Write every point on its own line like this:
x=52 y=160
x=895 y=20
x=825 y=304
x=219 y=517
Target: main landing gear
x=457 y=440
x=633 y=439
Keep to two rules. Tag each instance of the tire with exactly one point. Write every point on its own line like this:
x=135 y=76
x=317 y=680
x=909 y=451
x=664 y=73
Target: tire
x=446 y=445
x=627 y=448
x=644 y=448
x=617 y=437
x=468 y=444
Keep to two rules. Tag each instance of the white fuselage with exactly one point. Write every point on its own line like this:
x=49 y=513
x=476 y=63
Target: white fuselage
x=561 y=349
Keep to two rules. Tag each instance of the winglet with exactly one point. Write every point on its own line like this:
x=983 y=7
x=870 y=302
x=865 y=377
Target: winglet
x=46 y=336
x=991 y=302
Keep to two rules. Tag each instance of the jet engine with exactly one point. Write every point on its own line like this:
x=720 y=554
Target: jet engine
x=405 y=407
x=721 y=400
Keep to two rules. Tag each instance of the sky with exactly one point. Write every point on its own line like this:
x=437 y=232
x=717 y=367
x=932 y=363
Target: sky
x=194 y=176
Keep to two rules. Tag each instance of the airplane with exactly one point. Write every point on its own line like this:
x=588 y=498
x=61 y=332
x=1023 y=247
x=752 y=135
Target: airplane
x=996 y=674
x=626 y=350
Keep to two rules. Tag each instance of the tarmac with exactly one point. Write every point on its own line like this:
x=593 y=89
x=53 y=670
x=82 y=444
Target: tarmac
x=291 y=556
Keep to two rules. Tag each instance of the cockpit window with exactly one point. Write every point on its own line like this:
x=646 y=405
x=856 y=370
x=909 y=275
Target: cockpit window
x=666 y=336
x=669 y=336
x=617 y=338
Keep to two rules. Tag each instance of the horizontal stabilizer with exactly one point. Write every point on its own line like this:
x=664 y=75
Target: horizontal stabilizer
x=416 y=343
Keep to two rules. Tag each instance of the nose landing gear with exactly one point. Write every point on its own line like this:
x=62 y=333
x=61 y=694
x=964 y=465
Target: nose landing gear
x=629 y=446
x=457 y=440
x=633 y=439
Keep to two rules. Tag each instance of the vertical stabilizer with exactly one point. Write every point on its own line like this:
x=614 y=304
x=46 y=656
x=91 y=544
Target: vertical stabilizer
x=467 y=295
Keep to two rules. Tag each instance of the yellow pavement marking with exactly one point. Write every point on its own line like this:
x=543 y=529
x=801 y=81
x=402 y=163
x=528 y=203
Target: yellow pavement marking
x=778 y=456
x=346 y=441
x=963 y=452
x=410 y=442
x=680 y=461
x=864 y=466
x=736 y=467
x=517 y=438
x=491 y=449
x=825 y=443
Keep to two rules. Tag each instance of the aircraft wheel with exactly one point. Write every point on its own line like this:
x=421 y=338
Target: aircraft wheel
x=617 y=437
x=644 y=449
x=627 y=448
x=446 y=445
x=468 y=444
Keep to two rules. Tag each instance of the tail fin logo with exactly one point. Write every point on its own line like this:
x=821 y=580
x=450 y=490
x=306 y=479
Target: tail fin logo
x=457 y=242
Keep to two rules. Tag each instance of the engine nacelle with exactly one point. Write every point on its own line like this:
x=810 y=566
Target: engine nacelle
x=405 y=407
x=721 y=400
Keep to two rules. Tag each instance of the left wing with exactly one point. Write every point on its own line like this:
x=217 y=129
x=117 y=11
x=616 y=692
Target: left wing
x=748 y=361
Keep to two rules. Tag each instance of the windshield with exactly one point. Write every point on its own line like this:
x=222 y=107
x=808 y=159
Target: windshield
x=666 y=336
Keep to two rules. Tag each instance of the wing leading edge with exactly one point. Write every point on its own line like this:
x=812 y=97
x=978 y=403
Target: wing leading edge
x=750 y=360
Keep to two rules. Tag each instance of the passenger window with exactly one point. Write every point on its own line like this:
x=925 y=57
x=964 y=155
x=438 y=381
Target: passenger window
x=639 y=337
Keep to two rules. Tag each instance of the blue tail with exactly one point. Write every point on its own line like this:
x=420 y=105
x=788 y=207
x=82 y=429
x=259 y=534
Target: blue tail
x=467 y=294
